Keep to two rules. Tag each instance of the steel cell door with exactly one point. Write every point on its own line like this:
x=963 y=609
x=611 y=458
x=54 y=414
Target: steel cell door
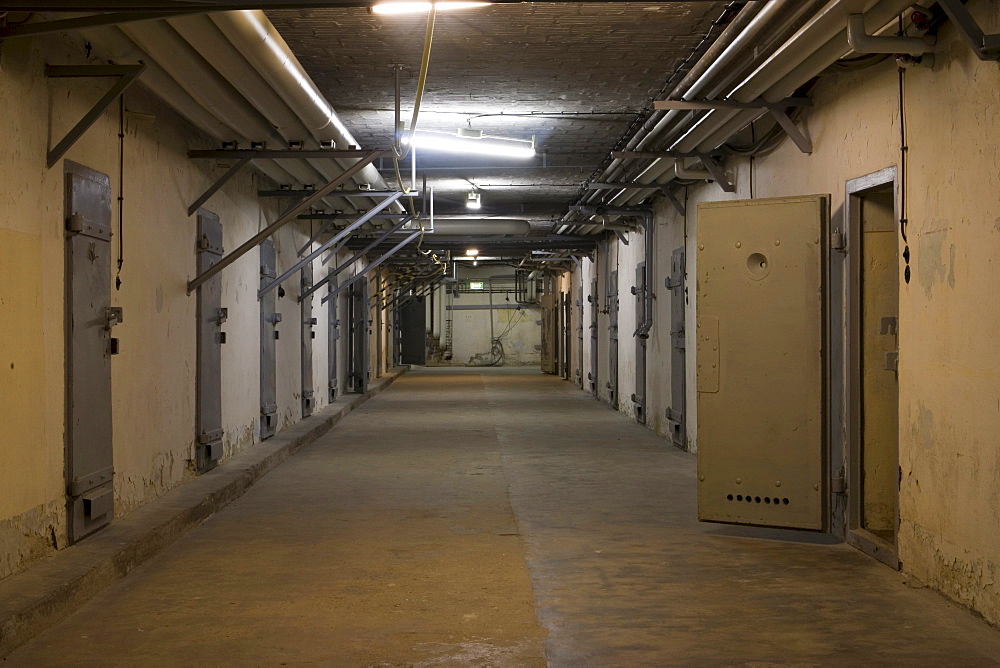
x=357 y=355
x=677 y=285
x=595 y=310
x=612 y=383
x=269 y=320
x=308 y=334
x=579 y=336
x=211 y=316
x=412 y=327
x=333 y=324
x=760 y=330
x=89 y=346
x=641 y=338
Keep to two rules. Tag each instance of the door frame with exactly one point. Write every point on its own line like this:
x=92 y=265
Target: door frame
x=856 y=189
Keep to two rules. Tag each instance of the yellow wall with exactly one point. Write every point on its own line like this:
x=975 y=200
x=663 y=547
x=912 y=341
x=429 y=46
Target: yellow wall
x=153 y=379
x=949 y=371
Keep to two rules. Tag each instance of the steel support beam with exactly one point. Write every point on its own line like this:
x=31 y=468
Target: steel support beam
x=346 y=216
x=289 y=192
x=126 y=75
x=657 y=155
x=226 y=5
x=676 y=203
x=776 y=109
x=281 y=154
x=282 y=220
x=81 y=22
x=693 y=105
x=357 y=256
x=986 y=47
x=219 y=182
x=319 y=251
x=395 y=249
x=715 y=169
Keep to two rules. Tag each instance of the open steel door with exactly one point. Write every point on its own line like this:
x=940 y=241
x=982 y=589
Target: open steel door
x=761 y=372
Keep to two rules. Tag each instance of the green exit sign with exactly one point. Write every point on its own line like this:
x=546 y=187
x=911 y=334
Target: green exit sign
x=476 y=285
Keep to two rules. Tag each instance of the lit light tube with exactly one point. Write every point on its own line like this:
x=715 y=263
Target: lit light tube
x=451 y=144
x=421 y=7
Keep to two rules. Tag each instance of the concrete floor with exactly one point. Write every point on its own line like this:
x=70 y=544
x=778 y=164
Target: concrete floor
x=501 y=517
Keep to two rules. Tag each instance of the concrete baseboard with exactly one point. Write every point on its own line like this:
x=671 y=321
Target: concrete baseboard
x=52 y=589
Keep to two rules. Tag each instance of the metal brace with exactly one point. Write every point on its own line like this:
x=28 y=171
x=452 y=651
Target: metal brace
x=715 y=167
x=986 y=47
x=126 y=74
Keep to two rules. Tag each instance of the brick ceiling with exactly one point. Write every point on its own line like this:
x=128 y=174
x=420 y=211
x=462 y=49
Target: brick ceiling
x=574 y=75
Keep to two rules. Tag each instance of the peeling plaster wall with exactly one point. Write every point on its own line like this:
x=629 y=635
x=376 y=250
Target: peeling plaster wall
x=949 y=372
x=153 y=379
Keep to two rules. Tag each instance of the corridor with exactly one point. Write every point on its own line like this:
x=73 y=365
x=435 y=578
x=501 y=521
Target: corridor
x=501 y=517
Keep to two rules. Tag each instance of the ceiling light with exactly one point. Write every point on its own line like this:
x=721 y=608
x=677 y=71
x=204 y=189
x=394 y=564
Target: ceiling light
x=421 y=7
x=472 y=251
x=492 y=146
x=474 y=202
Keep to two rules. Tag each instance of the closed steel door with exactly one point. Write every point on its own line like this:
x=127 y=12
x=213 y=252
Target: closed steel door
x=89 y=346
x=211 y=316
x=761 y=372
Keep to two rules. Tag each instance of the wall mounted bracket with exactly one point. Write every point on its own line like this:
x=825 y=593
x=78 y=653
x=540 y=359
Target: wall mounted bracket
x=285 y=218
x=126 y=75
x=641 y=186
x=319 y=251
x=242 y=157
x=353 y=279
x=986 y=47
x=776 y=109
x=357 y=256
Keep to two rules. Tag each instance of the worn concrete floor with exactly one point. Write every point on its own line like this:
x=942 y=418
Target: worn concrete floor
x=501 y=517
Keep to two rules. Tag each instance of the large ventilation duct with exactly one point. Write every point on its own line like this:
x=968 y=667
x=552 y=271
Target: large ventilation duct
x=480 y=226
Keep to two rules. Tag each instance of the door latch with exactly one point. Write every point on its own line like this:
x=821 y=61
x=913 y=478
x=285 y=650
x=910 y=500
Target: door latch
x=838 y=240
x=114 y=317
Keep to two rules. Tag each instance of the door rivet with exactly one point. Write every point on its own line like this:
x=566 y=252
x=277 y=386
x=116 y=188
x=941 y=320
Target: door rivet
x=701 y=478
x=701 y=246
x=739 y=481
x=777 y=483
x=738 y=244
x=816 y=487
x=777 y=242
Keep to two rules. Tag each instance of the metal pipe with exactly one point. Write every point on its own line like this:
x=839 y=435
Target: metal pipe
x=253 y=35
x=863 y=43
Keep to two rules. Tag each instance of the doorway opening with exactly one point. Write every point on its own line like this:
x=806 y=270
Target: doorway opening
x=873 y=328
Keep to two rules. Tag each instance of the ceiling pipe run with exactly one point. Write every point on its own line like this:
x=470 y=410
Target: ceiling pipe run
x=820 y=42
x=252 y=34
x=115 y=45
x=480 y=226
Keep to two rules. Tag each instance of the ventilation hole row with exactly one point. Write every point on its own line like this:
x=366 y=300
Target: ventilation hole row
x=756 y=499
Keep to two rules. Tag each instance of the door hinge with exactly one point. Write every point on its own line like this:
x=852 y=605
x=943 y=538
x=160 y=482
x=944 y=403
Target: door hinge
x=838 y=485
x=889 y=325
x=892 y=361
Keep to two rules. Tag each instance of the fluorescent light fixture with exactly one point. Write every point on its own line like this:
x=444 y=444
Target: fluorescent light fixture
x=422 y=7
x=492 y=146
x=472 y=251
x=474 y=202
